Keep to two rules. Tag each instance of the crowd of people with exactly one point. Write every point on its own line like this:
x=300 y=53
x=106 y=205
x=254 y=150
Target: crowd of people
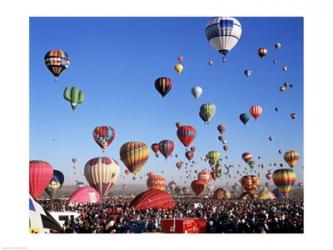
x=114 y=215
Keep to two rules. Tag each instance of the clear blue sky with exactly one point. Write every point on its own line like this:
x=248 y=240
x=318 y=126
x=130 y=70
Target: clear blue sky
x=115 y=61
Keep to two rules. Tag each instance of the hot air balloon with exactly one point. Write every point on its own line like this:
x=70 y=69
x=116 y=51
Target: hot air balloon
x=213 y=157
x=56 y=61
x=207 y=112
x=282 y=88
x=250 y=184
x=156 y=182
x=172 y=185
x=198 y=186
x=275 y=61
x=286 y=84
x=276 y=109
x=284 y=68
x=284 y=179
x=221 y=193
x=104 y=136
x=255 y=111
x=225 y=147
x=40 y=175
x=262 y=52
x=153 y=199
x=55 y=183
x=266 y=195
x=179 y=164
x=269 y=175
x=180 y=59
x=186 y=134
x=210 y=62
x=84 y=195
x=277 y=45
x=252 y=164
x=224 y=141
x=163 y=85
x=74 y=96
x=291 y=157
x=293 y=116
x=102 y=173
x=166 y=148
x=134 y=155
x=205 y=176
x=247 y=72
x=221 y=128
x=189 y=155
x=247 y=156
x=291 y=85
x=210 y=187
x=127 y=171
x=223 y=33
x=270 y=138
x=179 y=68
x=196 y=91
x=244 y=117
x=155 y=147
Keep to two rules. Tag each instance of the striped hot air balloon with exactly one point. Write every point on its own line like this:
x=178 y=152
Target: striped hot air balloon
x=205 y=176
x=291 y=157
x=156 y=182
x=221 y=193
x=163 y=85
x=104 y=136
x=155 y=147
x=166 y=147
x=102 y=173
x=284 y=179
x=56 y=61
x=247 y=156
x=250 y=183
x=134 y=155
x=40 y=175
x=255 y=111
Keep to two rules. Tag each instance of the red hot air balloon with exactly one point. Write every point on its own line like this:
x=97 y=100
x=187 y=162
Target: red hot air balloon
x=186 y=134
x=155 y=148
x=84 y=195
x=163 y=85
x=198 y=186
x=153 y=199
x=40 y=175
x=166 y=147
x=255 y=111
x=179 y=165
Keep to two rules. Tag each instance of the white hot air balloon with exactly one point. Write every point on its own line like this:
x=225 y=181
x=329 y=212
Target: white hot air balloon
x=196 y=91
x=223 y=33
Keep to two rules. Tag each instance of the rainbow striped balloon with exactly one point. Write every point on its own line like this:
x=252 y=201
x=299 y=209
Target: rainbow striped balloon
x=284 y=179
x=134 y=155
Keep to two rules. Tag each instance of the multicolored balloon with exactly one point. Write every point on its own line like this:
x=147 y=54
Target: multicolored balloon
x=134 y=155
x=40 y=175
x=56 y=61
x=156 y=182
x=55 y=183
x=166 y=147
x=74 y=96
x=291 y=157
x=163 y=85
x=104 y=136
x=102 y=173
x=205 y=176
x=256 y=111
x=213 y=157
x=250 y=183
x=207 y=112
x=186 y=134
x=284 y=179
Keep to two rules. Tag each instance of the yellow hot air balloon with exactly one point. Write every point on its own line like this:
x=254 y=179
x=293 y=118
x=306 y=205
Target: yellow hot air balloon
x=213 y=157
x=134 y=155
x=179 y=68
x=291 y=157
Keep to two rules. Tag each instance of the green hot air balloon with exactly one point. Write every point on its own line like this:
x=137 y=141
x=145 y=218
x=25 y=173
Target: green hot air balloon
x=244 y=117
x=74 y=96
x=207 y=112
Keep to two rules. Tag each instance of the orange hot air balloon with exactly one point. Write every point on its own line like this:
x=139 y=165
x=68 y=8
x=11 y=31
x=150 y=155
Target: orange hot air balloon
x=291 y=157
x=156 y=182
x=256 y=111
x=205 y=176
x=221 y=128
x=155 y=147
x=198 y=186
x=221 y=193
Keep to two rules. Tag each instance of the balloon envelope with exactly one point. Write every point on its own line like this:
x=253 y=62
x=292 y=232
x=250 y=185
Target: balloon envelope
x=153 y=199
x=196 y=91
x=40 y=175
x=84 y=195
